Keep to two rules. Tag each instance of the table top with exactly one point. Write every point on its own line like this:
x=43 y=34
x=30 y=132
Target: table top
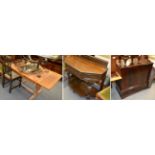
x=84 y=64
x=44 y=77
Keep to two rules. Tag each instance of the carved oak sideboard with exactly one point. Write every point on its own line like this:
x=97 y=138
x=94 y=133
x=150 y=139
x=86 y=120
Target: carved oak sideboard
x=87 y=68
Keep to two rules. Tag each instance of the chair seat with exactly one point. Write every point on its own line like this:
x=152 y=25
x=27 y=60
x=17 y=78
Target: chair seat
x=14 y=75
x=104 y=94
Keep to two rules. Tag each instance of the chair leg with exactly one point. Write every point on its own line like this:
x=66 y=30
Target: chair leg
x=10 y=89
x=20 y=82
x=3 y=81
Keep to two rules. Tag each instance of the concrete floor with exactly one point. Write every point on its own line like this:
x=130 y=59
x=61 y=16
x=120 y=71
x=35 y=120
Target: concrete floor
x=22 y=94
x=146 y=94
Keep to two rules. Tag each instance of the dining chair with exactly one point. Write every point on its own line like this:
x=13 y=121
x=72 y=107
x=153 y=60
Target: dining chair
x=1 y=71
x=9 y=76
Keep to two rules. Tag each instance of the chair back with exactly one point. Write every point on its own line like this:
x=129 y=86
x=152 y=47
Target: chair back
x=6 y=66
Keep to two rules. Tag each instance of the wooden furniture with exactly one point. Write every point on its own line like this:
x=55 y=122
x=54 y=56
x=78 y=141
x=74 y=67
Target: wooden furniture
x=152 y=77
x=135 y=77
x=115 y=75
x=51 y=62
x=43 y=78
x=87 y=68
x=8 y=76
x=1 y=70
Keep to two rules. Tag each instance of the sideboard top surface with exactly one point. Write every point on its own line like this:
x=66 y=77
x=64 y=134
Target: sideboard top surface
x=84 y=64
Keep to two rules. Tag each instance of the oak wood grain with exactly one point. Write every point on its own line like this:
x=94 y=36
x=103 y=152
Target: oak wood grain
x=83 y=64
x=45 y=78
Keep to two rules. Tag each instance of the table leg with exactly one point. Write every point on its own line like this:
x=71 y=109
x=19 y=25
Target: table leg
x=36 y=92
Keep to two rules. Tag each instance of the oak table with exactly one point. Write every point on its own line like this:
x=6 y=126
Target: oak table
x=43 y=78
